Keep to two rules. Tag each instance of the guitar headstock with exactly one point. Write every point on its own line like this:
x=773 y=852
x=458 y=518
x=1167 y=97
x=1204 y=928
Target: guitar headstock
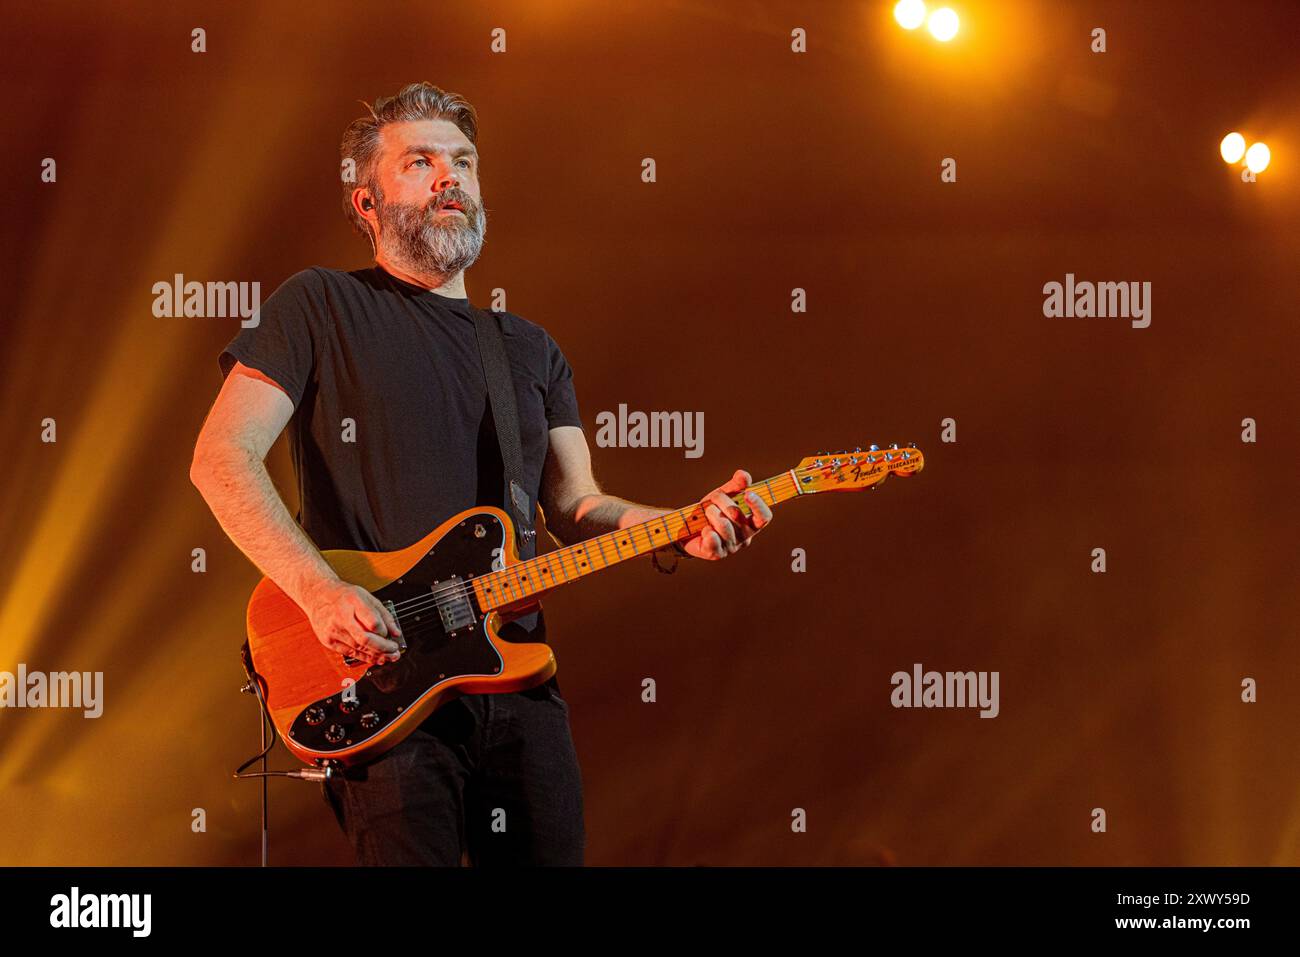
x=851 y=471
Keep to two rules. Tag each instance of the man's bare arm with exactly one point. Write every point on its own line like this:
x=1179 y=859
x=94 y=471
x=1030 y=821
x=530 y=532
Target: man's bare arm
x=229 y=470
x=573 y=502
x=577 y=509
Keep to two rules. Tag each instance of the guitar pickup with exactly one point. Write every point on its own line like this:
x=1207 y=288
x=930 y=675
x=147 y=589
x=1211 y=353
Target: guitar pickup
x=455 y=611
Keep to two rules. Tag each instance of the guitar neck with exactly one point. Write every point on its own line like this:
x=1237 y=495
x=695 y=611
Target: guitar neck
x=524 y=580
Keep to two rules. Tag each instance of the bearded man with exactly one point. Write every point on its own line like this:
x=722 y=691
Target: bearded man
x=377 y=372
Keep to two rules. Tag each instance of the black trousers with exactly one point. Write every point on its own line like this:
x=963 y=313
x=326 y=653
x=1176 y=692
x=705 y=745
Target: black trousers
x=492 y=775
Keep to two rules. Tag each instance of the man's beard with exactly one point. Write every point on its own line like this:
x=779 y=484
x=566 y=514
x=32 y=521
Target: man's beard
x=427 y=243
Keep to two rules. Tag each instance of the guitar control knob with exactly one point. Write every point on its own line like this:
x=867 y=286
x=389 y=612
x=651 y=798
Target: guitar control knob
x=349 y=704
x=334 y=733
x=370 y=720
x=314 y=715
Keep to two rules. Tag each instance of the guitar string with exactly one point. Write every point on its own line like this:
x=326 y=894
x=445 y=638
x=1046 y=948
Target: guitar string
x=450 y=592
x=447 y=592
x=543 y=561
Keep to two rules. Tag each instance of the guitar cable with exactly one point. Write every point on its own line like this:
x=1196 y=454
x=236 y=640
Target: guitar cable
x=254 y=686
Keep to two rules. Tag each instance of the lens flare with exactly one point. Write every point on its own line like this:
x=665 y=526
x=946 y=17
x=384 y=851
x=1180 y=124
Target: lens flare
x=910 y=14
x=1257 y=158
x=1232 y=148
x=943 y=24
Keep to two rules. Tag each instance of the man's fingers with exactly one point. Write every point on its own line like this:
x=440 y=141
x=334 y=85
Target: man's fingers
x=722 y=526
x=390 y=623
x=355 y=646
x=371 y=635
x=743 y=526
x=377 y=644
x=369 y=616
x=378 y=623
x=727 y=505
x=737 y=482
x=375 y=617
x=338 y=645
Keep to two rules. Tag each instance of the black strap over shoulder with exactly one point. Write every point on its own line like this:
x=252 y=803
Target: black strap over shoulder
x=501 y=395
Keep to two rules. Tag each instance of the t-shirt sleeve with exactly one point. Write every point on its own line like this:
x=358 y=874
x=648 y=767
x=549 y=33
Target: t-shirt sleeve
x=282 y=344
x=561 y=399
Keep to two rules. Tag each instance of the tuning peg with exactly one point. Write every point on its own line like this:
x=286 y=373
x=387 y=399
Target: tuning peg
x=857 y=448
x=894 y=445
x=875 y=448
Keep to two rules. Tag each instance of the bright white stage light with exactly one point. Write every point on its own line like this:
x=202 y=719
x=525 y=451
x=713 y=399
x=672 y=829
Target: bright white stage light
x=1233 y=148
x=943 y=24
x=1257 y=158
x=910 y=14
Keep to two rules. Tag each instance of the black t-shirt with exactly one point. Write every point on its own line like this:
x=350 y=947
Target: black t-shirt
x=402 y=363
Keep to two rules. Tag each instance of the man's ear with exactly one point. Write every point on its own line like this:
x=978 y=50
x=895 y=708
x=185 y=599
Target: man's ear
x=364 y=204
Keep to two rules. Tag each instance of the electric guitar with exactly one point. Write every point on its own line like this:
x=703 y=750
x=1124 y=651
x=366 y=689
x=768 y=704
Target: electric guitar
x=450 y=592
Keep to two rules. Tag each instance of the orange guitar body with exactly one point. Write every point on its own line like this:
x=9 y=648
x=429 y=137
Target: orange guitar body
x=452 y=647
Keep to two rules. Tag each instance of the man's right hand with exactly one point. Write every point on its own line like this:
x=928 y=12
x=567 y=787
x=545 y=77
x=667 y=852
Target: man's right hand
x=349 y=620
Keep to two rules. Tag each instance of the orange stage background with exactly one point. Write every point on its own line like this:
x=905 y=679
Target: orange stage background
x=775 y=171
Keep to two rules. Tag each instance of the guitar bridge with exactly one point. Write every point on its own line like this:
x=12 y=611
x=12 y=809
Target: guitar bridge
x=401 y=640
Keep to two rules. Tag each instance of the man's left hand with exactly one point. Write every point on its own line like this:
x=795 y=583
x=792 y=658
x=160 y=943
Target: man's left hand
x=731 y=528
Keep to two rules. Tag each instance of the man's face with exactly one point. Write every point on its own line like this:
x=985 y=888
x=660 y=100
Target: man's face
x=425 y=169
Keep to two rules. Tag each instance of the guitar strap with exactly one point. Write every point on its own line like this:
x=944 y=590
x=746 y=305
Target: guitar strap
x=505 y=414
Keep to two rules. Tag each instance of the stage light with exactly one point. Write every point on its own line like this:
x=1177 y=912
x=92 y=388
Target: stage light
x=943 y=24
x=910 y=14
x=1233 y=148
x=1257 y=158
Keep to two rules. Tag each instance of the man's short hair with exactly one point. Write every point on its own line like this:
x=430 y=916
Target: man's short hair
x=417 y=101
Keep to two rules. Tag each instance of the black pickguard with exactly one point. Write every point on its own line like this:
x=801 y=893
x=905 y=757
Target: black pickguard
x=442 y=626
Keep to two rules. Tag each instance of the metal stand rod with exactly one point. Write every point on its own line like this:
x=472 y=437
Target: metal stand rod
x=320 y=774
x=255 y=689
x=261 y=715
